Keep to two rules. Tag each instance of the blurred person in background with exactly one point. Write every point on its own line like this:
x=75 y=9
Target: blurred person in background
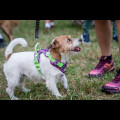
x=48 y=25
x=2 y=41
x=86 y=33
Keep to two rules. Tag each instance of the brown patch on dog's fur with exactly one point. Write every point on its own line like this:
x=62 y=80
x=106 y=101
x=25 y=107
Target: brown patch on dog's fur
x=8 y=57
x=8 y=26
x=55 y=54
x=60 y=45
x=55 y=50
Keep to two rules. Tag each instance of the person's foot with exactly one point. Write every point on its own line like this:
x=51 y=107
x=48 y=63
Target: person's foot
x=2 y=43
x=115 y=37
x=47 y=30
x=113 y=86
x=85 y=38
x=106 y=64
x=47 y=27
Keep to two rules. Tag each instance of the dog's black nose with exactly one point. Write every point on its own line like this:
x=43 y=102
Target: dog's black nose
x=80 y=40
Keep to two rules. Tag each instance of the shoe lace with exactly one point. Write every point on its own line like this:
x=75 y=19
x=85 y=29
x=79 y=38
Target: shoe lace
x=101 y=63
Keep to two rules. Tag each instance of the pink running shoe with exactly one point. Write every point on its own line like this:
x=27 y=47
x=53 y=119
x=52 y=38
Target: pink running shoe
x=113 y=86
x=105 y=65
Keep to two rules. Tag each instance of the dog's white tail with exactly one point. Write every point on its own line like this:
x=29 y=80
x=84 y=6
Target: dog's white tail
x=13 y=43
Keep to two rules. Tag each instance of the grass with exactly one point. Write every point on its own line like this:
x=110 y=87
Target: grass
x=81 y=87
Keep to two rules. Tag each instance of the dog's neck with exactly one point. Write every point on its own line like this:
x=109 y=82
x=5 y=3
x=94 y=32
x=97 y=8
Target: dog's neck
x=59 y=56
x=64 y=57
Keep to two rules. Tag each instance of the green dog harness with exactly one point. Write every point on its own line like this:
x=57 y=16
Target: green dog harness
x=61 y=66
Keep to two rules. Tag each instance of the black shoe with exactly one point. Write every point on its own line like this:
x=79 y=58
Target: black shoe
x=115 y=37
x=85 y=38
x=2 y=43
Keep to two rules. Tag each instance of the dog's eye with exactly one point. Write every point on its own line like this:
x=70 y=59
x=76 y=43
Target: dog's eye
x=68 y=40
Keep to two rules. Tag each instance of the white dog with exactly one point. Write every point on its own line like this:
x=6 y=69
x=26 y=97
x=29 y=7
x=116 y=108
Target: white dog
x=19 y=65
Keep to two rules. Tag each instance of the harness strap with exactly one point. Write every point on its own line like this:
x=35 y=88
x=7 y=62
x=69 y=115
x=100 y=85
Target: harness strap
x=36 y=59
x=55 y=63
x=59 y=64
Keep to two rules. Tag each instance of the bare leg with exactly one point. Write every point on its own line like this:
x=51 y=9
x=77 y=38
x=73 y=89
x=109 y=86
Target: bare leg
x=51 y=20
x=118 y=29
x=104 y=36
x=47 y=25
x=47 y=21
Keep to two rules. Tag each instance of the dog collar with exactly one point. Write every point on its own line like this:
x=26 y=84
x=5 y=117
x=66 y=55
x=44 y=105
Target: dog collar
x=61 y=66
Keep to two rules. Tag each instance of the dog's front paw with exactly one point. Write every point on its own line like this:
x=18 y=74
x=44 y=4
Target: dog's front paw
x=59 y=97
x=66 y=87
x=14 y=98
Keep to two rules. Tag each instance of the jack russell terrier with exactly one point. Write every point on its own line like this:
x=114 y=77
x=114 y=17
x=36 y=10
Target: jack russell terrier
x=53 y=65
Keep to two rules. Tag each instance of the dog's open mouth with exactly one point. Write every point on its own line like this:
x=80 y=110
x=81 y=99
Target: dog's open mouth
x=77 y=49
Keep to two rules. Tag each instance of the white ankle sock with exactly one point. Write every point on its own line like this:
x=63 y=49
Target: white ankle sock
x=52 y=23
x=47 y=25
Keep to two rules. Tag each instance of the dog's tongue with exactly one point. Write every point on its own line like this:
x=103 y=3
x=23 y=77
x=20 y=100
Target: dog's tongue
x=77 y=49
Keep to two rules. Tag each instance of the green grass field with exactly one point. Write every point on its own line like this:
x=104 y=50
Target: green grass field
x=81 y=87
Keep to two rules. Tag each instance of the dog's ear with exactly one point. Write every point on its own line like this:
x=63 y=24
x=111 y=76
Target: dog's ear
x=50 y=46
x=54 y=45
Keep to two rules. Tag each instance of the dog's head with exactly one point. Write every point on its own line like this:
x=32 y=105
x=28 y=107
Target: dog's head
x=64 y=44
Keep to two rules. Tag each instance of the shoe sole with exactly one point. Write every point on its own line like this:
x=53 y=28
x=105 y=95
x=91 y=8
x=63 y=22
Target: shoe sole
x=110 y=91
x=99 y=76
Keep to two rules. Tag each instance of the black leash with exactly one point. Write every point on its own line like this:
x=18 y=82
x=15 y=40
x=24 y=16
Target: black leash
x=37 y=30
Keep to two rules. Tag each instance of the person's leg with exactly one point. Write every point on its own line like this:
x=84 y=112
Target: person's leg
x=104 y=36
x=52 y=24
x=115 y=34
x=86 y=28
x=47 y=25
x=47 y=21
x=118 y=31
x=114 y=85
